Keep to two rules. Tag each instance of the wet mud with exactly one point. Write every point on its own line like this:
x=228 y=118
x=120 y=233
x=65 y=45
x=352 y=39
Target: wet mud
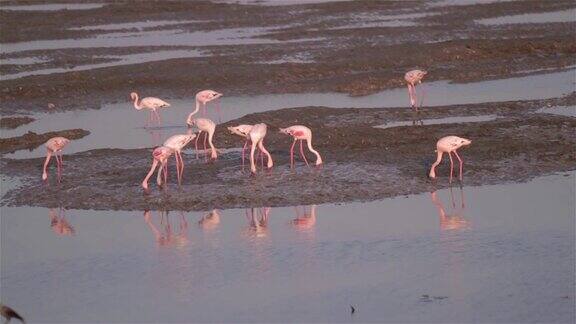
x=31 y=140
x=14 y=122
x=339 y=56
x=362 y=162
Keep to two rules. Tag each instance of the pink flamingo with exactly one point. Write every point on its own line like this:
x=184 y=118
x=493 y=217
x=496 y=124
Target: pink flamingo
x=413 y=78
x=449 y=144
x=177 y=143
x=151 y=103
x=205 y=96
x=159 y=155
x=208 y=127
x=244 y=131
x=257 y=134
x=300 y=133
x=54 y=146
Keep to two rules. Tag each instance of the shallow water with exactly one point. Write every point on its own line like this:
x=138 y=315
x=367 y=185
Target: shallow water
x=121 y=126
x=54 y=7
x=140 y=25
x=435 y=121
x=442 y=3
x=535 y=18
x=22 y=61
x=569 y=111
x=506 y=256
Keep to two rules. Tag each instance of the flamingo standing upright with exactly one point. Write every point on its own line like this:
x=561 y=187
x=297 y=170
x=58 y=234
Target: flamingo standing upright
x=204 y=97
x=449 y=144
x=257 y=134
x=244 y=131
x=300 y=133
x=413 y=78
x=208 y=127
x=151 y=103
x=177 y=143
x=159 y=155
x=54 y=146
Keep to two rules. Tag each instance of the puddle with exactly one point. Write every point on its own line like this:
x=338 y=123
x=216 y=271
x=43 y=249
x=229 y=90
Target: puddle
x=120 y=125
x=54 y=7
x=120 y=60
x=448 y=120
x=445 y=3
x=22 y=61
x=380 y=20
x=569 y=111
x=230 y=36
x=423 y=258
x=278 y=2
x=140 y=25
x=544 y=17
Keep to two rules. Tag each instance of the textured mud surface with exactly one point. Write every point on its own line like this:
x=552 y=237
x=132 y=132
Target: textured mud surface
x=327 y=49
x=361 y=162
x=31 y=140
x=14 y=122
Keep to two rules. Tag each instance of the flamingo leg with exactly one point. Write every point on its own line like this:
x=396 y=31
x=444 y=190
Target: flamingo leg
x=196 y=143
x=58 y=166
x=461 y=164
x=177 y=166
x=292 y=154
x=451 y=165
x=243 y=152
x=181 y=166
x=302 y=153
x=158 y=117
x=422 y=96
x=46 y=162
x=205 y=140
x=410 y=95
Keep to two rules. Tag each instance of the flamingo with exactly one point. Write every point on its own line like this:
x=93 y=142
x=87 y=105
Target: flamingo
x=300 y=133
x=257 y=134
x=205 y=96
x=54 y=146
x=204 y=125
x=412 y=78
x=159 y=155
x=242 y=130
x=177 y=143
x=151 y=103
x=449 y=144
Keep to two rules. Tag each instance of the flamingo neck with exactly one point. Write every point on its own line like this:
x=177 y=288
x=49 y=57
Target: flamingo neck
x=137 y=105
x=318 y=157
x=196 y=109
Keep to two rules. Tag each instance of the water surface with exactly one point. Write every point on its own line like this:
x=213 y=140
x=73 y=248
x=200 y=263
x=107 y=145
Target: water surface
x=501 y=253
x=533 y=18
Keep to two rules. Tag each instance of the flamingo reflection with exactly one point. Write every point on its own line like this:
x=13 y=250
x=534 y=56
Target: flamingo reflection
x=58 y=223
x=166 y=237
x=454 y=220
x=258 y=221
x=304 y=220
x=210 y=221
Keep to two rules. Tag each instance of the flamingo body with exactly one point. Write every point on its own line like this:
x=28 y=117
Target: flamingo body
x=301 y=133
x=413 y=78
x=54 y=146
x=243 y=131
x=449 y=145
x=257 y=134
x=151 y=103
x=204 y=125
x=160 y=156
x=177 y=143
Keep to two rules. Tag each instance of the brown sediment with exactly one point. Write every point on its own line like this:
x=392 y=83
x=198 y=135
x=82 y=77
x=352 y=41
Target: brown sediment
x=361 y=162
x=31 y=140
x=14 y=122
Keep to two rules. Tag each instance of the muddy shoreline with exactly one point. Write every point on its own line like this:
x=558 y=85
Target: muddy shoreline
x=361 y=162
x=340 y=57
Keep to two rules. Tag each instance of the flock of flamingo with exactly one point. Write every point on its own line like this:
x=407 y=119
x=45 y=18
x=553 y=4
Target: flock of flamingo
x=253 y=134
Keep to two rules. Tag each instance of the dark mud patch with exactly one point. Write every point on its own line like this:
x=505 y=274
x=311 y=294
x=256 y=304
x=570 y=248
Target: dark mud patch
x=361 y=162
x=31 y=140
x=14 y=122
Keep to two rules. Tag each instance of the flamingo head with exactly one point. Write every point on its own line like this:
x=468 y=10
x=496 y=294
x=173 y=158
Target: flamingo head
x=464 y=142
x=286 y=131
x=207 y=96
x=134 y=96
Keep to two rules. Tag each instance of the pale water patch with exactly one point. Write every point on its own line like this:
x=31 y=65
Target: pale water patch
x=569 y=111
x=445 y=3
x=140 y=25
x=435 y=121
x=54 y=7
x=502 y=253
x=22 y=61
x=120 y=125
x=533 y=18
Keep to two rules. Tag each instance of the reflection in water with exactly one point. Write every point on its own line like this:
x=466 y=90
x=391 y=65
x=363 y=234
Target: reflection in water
x=210 y=221
x=455 y=219
x=305 y=220
x=166 y=237
x=258 y=221
x=59 y=224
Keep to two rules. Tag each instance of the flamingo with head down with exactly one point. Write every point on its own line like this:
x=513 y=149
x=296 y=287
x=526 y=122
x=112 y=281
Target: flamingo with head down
x=449 y=144
x=54 y=147
x=177 y=143
x=208 y=127
x=413 y=78
x=257 y=134
x=151 y=103
x=160 y=156
x=301 y=133
x=243 y=131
